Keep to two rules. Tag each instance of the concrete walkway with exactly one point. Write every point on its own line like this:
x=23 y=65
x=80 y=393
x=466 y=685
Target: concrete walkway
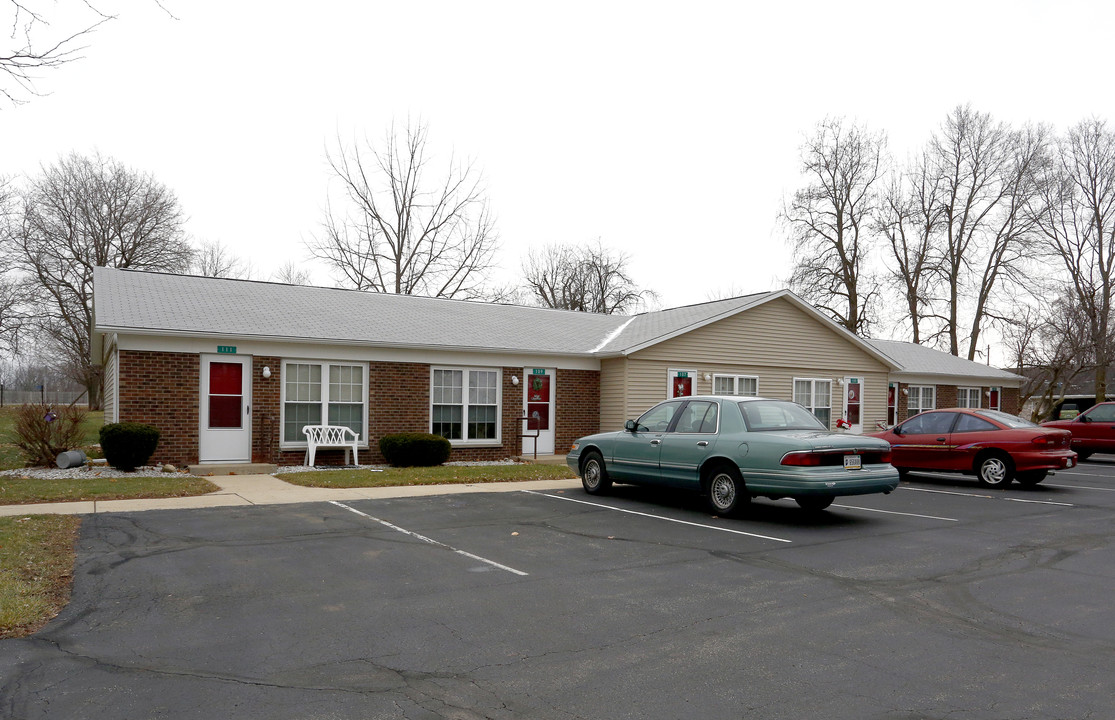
x=268 y=490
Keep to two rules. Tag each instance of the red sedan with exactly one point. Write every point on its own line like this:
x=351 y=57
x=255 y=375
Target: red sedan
x=1092 y=430
x=992 y=445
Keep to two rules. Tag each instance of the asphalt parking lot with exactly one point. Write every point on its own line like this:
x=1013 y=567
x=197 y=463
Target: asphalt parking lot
x=940 y=600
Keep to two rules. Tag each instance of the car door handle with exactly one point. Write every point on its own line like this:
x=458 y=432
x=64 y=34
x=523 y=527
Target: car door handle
x=655 y=442
x=941 y=439
x=703 y=443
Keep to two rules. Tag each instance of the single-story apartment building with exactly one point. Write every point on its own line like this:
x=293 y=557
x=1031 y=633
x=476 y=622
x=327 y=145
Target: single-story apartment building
x=231 y=370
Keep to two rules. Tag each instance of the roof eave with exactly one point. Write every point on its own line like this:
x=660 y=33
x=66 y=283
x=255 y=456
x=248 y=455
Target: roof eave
x=200 y=334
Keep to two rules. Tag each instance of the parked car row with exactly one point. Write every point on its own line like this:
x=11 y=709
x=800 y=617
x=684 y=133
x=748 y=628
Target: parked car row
x=994 y=446
x=731 y=449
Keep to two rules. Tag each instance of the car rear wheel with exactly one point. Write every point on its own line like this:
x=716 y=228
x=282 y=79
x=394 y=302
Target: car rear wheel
x=994 y=470
x=814 y=503
x=727 y=494
x=1031 y=478
x=594 y=476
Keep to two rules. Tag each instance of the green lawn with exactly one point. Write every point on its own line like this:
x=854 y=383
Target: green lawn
x=15 y=490
x=439 y=475
x=36 y=568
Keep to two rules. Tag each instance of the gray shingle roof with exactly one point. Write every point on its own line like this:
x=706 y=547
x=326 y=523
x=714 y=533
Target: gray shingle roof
x=920 y=360
x=158 y=303
x=126 y=300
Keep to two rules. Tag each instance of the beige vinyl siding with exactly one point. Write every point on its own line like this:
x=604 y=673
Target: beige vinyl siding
x=776 y=342
x=109 y=388
x=613 y=401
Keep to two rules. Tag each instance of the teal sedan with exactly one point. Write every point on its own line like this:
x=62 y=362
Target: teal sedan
x=732 y=449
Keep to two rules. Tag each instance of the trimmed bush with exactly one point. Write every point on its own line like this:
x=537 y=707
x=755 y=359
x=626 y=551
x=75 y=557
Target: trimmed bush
x=414 y=449
x=128 y=445
x=42 y=432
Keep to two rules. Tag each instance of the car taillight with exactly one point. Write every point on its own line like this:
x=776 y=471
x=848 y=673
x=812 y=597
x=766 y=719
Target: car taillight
x=801 y=458
x=807 y=458
x=1046 y=440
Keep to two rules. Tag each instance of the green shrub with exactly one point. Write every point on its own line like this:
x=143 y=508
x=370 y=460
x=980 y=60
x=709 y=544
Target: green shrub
x=42 y=432
x=414 y=449
x=128 y=445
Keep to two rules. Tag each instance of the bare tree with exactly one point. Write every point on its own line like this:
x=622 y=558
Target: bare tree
x=80 y=213
x=291 y=273
x=907 y=217
x=214 y=259
x=1051 y=349
x=14 y=311
x=403 y=230
x=35 y=47
x=587 y=278
x=1077 y=219
x=828 y=221
x=984 y=171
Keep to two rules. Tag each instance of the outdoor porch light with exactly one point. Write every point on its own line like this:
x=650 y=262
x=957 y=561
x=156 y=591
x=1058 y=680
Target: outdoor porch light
x=266 y=372
x=514 y=379
x=708 y=376
x=905 y=391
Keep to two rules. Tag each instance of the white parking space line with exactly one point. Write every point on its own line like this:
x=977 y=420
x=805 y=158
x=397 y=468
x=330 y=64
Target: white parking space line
x=944 y=492
x=1078 y=487
x=658 y=517
x=987 y=497
x=895 y=512
x=431 y=541
x=1040 y=502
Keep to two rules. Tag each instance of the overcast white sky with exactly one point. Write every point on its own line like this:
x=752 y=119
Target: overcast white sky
x=668 y=130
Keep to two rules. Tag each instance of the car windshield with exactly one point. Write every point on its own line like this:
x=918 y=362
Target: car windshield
x=1010 y=421
x=778 y=415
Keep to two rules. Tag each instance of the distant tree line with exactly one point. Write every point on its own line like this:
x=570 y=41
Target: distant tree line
x=399 y=227
x=987 y=226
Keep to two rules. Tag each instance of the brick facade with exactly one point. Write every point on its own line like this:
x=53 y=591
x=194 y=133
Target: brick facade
x=399 y=401
x=578 y=407
x=162 y=389
x=947 y=397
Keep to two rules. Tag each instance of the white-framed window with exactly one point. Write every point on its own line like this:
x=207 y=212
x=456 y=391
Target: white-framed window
x=920 y=399
x=967 y=397
x=815 y=394
x=320 y=392
x=465 y=405
x=735 y=385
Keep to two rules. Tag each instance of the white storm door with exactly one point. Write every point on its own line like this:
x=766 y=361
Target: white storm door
x=538 y=400
x=853 y=403
x=226 y=390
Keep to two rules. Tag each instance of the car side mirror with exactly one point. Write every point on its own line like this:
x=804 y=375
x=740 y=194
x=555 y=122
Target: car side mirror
x=629 y=426
x=898 y=431
x=1083 y=419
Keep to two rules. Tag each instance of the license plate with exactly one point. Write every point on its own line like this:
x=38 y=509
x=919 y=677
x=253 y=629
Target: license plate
x=1068 y=463
x=853 y=462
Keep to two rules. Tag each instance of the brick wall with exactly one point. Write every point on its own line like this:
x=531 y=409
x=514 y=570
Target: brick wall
x=578 y=407
x=399 y=401
x=946 y=398
x=266 y=430
x=162 y=389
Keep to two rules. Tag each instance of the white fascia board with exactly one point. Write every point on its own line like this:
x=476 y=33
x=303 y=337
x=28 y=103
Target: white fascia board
x=957 y=380
x=312 y=349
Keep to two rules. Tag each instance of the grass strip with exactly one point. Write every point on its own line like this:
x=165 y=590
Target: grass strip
x=36 y=570
x=16 y=490
x=438 y=475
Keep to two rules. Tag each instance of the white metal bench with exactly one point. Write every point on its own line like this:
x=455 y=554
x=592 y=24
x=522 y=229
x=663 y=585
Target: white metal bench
x=330 y=436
